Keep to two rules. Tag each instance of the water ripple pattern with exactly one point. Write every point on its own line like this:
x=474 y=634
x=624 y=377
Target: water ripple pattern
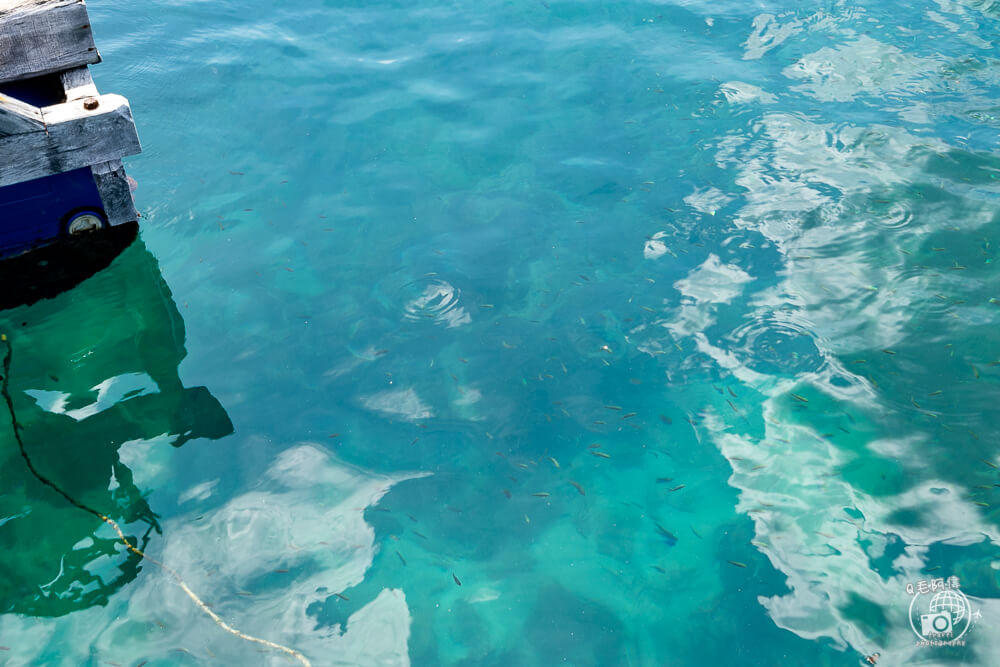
x=550 y=332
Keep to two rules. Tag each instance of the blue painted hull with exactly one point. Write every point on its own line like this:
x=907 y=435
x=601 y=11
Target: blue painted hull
x=35 y=213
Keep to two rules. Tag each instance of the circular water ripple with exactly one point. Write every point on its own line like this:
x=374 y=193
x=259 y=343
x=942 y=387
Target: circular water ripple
x=777 y=343
x=887 y=211
x=917 y=291
x=436 y=300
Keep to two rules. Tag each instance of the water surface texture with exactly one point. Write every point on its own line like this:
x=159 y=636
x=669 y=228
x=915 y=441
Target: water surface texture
x=525 y=333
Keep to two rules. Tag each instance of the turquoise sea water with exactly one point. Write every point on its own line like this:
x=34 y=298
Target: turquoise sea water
x=525 y=333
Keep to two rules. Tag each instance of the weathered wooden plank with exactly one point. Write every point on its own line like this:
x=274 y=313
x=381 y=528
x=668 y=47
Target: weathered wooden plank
x=76 y=134
x=43 y=37
x=115 y=192
x=11 y=5
x=77 y=84
x=16 y=117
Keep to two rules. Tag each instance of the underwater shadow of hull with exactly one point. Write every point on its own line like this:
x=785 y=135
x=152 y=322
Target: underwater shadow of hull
x=94 y=349
x=46 y=272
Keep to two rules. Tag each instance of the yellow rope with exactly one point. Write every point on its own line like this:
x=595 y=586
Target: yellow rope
x=114 y=524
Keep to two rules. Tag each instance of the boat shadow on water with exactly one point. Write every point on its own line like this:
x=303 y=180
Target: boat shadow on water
x=95 y=344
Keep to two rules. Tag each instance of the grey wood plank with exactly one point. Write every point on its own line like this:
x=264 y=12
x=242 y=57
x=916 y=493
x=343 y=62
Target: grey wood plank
x=77 y=83
x=73 y=137
x=115 y=192
x=16 y=117
x=43 y=37
x=12 y=5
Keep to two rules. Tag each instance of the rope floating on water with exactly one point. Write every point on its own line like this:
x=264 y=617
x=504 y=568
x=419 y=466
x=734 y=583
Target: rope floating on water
x=15 y=426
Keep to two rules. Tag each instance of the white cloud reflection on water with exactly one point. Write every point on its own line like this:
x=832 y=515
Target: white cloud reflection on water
x=259 y=561
x=844 y=280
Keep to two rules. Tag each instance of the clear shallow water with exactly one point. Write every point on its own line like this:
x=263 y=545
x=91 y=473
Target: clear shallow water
x=423 y=257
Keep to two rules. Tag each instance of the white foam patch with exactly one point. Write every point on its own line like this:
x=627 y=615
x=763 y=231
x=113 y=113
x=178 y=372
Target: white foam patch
x=737 y=92
x=198 y=492
x=403 y=403
x=713 y=282
x=864 y=66
x=707 y=200
x=768 y=33
x=656 y=247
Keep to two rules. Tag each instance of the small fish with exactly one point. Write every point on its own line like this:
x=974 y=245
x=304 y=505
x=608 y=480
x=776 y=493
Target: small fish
x=526 y=519
x=890 y=352
x=420 y=535
x=541 y=494
x=629 y=415
x=401 y=559
x=731 y=392
x=554 y=462
x=334 y=435
x=670 y=537
x=736 y=563
x=801 y=399
x=281 y=571
x=486 y=305
x=666 y=420
x=696 y=533
x=677 y=488
x=664 y=480
x=601 y=454
x=506 y=492
x=613 y=407
x=343 y=597
x=990 y=464
x=594 y=445
x=658 y=569
x=578 y=487
x=981 y=504
x=457 y=582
